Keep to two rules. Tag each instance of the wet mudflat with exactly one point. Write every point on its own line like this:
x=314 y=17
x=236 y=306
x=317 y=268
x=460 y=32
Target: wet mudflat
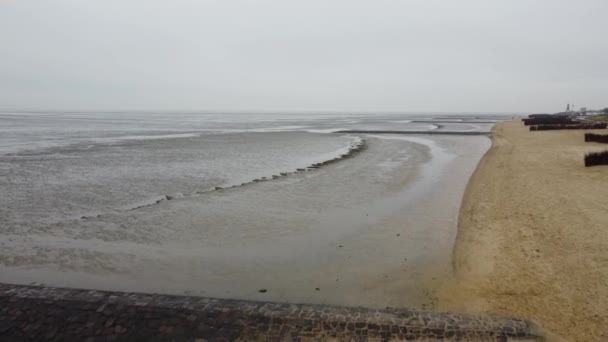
x=374 y=230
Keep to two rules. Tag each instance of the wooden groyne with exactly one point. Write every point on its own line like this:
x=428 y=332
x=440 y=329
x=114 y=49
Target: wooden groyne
x=31 y=313
x=599 y=125
x=596 y=158
x=600 y=138
x=549 y=121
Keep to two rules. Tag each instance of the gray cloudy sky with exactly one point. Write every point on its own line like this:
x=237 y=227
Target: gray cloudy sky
x=308 y=55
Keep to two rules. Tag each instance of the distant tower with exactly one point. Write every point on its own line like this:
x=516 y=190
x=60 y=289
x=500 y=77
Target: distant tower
x=568 y=107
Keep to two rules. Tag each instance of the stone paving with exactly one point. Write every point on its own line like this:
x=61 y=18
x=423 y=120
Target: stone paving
x=32 y=313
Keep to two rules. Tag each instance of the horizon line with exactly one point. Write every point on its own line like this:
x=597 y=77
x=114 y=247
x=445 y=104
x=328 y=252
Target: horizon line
x=313 y=112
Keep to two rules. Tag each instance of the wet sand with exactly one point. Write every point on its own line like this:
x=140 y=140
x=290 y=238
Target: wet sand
x=533 y=238
x=375 y=230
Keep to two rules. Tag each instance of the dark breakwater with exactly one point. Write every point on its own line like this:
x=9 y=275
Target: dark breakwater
x=600 y=138
x=568 y=126
x=30 y=313
x=596 y=158
x=548 y=121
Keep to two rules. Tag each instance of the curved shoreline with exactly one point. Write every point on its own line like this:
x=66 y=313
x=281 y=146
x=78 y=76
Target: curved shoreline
x=466 y=198
x=424 y=175
x=354 y=149
x=531 y=237
x=111 y=312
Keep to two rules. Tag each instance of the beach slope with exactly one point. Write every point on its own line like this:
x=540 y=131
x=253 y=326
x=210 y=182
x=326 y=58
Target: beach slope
x=533 y=234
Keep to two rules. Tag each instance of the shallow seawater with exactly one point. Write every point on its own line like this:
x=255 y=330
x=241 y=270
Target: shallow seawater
x=80 y=204
x=51 y=184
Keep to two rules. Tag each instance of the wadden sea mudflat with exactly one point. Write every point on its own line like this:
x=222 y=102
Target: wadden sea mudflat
x=375 y=230
x=533 y=235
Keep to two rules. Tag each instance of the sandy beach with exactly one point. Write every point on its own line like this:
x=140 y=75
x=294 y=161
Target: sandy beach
x=532 y=239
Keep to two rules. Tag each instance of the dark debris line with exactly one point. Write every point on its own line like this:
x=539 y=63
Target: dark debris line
x=30 y=313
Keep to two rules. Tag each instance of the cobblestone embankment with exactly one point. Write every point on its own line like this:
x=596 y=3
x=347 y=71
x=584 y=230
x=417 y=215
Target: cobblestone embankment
x=32 y=313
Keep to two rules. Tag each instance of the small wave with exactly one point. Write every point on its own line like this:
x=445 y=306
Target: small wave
x=354 y=148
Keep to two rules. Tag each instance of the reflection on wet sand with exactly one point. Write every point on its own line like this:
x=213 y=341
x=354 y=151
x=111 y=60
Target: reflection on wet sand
x=376 y=230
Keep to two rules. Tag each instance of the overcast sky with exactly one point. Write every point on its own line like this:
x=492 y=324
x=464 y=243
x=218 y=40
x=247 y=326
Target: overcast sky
x=308 y=55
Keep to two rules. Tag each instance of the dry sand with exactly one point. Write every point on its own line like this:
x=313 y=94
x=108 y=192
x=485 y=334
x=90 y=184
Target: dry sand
x=533 y=234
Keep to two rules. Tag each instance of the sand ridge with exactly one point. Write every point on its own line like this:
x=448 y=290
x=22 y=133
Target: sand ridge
x=533 y=235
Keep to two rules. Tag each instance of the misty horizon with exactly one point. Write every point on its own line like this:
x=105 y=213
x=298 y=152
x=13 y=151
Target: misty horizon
x=313 y=57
